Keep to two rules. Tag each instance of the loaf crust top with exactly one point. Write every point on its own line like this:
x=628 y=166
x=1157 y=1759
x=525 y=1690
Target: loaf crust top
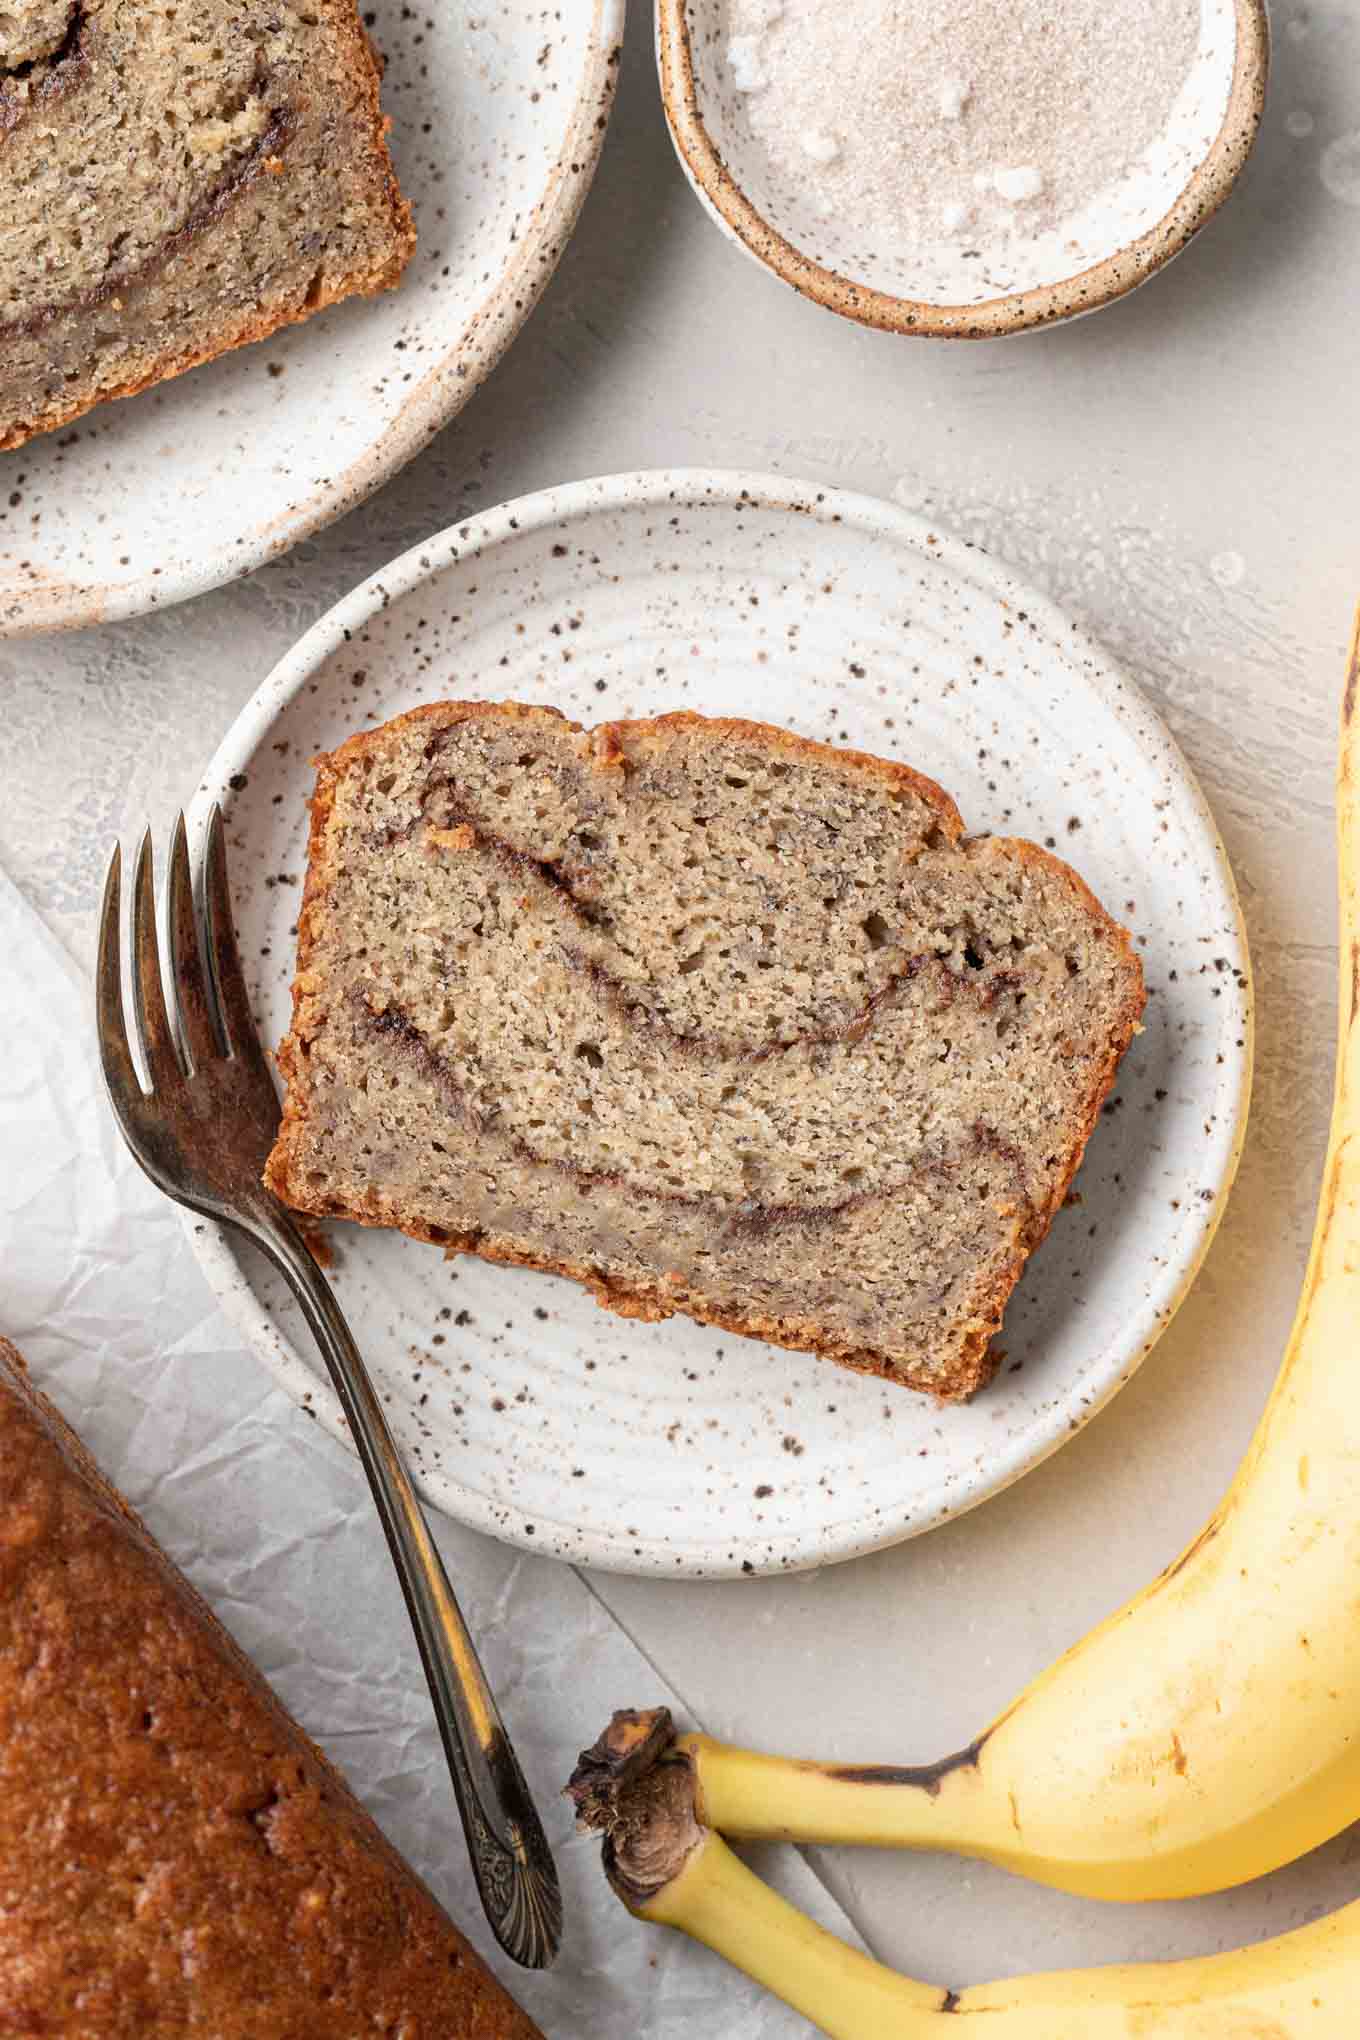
x=176 y=1857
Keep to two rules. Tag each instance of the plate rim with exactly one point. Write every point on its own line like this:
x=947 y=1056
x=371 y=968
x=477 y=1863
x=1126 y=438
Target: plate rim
x=437 y=398
x=523 y=518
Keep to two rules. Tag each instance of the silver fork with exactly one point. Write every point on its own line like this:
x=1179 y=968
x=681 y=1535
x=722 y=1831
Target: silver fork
x=202 y=1133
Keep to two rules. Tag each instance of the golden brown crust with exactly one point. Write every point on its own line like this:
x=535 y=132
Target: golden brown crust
x=180 y=1859
x=647 y=736
x=651 y=1304
x=257 y=322
x=608 y=746
x=254 y=326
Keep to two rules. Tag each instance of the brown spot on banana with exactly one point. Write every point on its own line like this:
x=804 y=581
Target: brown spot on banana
x=925 y=1778
x=1206 y=1536
x=1179 y=1763
x=1015 y=1812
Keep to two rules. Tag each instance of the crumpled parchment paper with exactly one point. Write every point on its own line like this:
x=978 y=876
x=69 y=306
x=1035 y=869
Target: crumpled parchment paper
x=272 y=1521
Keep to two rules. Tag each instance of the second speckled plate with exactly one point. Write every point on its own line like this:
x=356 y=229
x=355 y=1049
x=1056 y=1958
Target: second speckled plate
x=498 y=117
x=675 y=1449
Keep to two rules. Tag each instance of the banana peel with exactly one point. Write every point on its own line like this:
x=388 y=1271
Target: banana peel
x=670 y=1869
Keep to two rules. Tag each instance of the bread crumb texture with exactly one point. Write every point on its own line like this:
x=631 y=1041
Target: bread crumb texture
x=712 y=1018
x=180 y=176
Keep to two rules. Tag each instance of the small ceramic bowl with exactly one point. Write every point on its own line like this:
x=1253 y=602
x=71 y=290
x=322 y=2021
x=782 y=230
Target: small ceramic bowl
x=957 y=291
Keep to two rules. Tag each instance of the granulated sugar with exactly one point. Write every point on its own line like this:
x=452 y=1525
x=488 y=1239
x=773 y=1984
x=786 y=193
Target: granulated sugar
x=932 y=120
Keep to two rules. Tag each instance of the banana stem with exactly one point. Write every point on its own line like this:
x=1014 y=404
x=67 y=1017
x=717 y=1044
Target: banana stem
x=717 y=1900
x=667 y=1866
x=755 y=1797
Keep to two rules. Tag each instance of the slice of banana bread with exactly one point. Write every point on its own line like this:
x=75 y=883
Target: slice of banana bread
x=177 y=177
x=704 y=1015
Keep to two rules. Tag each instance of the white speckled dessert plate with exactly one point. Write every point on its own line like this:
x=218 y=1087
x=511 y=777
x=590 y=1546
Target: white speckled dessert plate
x=675 y=1449
x=498 y=118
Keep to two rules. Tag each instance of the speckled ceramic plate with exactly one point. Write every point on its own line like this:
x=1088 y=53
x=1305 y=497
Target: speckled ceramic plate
x=670 y=1448
x=498 y=117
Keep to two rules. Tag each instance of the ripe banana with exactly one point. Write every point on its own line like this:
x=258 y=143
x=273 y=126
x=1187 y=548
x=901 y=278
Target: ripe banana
x=1209 y=1731
x=666 y=1867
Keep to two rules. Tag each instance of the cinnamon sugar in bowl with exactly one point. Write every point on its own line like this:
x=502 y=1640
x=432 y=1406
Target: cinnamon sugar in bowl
x=962 y=168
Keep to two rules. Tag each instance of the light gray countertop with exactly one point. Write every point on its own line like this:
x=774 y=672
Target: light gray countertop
x=1181 y=473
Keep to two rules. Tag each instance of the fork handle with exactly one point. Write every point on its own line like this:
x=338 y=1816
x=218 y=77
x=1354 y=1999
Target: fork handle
x=511 y=1860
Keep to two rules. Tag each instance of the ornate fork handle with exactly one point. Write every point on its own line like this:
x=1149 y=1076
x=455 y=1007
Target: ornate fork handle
x=510 y=1855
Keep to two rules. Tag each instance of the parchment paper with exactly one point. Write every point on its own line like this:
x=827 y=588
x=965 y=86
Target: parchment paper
x=273 y=1523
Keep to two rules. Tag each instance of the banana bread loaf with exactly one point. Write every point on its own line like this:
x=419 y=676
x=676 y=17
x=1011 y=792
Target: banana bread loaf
x=709 y=1017
x=176 y=1857
x=177 y=177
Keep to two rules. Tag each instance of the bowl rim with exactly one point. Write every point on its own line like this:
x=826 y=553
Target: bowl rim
x=1113 y=276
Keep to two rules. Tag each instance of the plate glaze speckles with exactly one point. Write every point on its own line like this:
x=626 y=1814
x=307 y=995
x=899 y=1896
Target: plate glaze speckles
x=671 y=1448
x=498 y=119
